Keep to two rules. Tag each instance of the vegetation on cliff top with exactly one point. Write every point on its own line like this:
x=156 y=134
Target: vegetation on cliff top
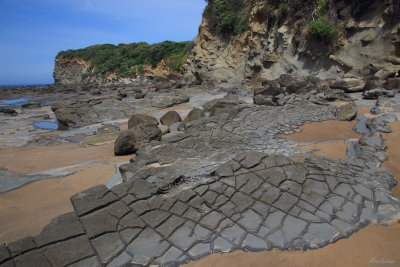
x=125 y=59
x=232 y=17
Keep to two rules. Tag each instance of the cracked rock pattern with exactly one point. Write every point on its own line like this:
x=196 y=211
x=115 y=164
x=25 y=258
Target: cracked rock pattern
x=253 y=202
x=213 y=189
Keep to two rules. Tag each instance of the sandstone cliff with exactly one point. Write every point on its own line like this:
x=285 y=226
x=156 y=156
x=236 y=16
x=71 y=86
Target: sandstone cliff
x=368 y=44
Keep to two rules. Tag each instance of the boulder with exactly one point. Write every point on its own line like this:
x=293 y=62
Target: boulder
x=30 y=105
x=170 y=118
x=169 y=101
x=228 y=104
x=8 y=111
x=269 y=90
x=377 y=92
x=393 y=83
x=347 y=112
x=194 y=114
x=349 y=85
x=370 y=84
x=263 y=100
x=130 y=141
x=296 y=84
x=164 y=129
x=139 y=95
x=137 y=119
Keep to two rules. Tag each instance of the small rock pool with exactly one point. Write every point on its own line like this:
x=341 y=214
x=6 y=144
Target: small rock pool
x=46 y=125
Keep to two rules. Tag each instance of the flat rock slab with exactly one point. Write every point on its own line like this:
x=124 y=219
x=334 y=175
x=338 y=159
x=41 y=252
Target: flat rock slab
x=199 y=192
x=254 y=202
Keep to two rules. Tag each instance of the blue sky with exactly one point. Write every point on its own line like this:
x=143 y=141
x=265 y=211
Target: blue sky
x=32 y=32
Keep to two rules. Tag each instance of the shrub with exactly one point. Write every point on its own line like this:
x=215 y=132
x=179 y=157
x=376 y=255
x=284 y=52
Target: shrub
x=226 y=17
x=323 y=29
x=283 y=8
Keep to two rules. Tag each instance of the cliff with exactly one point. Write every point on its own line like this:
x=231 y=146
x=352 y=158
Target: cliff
x=124 y=63
x=325 y=38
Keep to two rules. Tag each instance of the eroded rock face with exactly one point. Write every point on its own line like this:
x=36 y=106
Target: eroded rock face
x=268 y=50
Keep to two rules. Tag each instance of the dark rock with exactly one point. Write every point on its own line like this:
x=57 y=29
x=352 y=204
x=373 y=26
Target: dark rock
x=130 y=141
x=18 y=247
x=347 y=112
x=377 y=92
x=9 y=111
x=92 y=199
x=139 y=95
x=4 y=253
x=137 y=119
x=370 y=84
x=79 y=112
x=296 y=84
x=169 y=101
x=228 y=104
x=194 y=114
x=33 y=258
x=69 y=251
x=170 y=118
x=269 y=90
x=393 y=83
x=31 y=105
x=263 y=100
x=61 y=228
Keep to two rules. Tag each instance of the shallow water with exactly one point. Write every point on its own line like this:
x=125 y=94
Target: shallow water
x=46 y=125
x=14 y=102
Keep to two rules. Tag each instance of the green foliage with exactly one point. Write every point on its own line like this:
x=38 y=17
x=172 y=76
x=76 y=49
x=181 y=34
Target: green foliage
x=126 y=59
x=227 y=17
x=283 y=7
x=323 y=29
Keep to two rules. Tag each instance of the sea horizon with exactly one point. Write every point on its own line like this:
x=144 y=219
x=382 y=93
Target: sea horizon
x=25 y=85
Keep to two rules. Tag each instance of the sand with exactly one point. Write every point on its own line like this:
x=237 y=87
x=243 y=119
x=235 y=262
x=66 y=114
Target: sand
x=26 y=210
x=334 y=150
x=392 y=141
x=25 y=160
x=324 y=131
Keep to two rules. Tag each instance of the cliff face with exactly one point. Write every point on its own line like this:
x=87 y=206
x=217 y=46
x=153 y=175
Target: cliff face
x=69 y=71
x=368 y=45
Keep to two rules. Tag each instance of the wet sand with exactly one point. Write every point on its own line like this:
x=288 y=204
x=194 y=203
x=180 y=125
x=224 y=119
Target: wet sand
x=27 y=210
x=25 y=160
x=324 y=131
x=369 y=246
x=392 y=141
x=333 y=150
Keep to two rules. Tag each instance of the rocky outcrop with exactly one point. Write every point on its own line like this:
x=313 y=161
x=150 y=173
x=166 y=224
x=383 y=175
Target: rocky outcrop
x=70 y=71
x=368 y=45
